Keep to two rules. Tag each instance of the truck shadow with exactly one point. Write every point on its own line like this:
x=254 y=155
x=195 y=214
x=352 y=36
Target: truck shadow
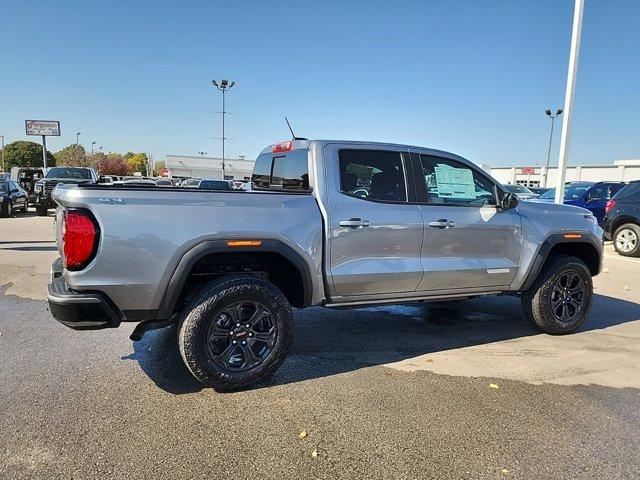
x=328 y=342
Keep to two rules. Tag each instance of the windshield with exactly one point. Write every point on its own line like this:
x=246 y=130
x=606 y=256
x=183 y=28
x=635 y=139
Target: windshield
x=573 y=191
x=65 y=172
x=517 y=189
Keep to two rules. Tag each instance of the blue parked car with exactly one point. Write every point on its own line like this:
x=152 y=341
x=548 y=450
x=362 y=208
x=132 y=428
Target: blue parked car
x=590 y=195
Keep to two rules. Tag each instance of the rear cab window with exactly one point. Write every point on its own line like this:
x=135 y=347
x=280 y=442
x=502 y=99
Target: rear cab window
x=282 y=170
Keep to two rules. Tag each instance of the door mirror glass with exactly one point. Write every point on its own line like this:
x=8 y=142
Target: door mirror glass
x=509 y=200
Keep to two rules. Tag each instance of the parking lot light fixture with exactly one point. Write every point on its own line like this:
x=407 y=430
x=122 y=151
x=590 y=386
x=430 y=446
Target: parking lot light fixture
x=223 y=86
x=553 y=118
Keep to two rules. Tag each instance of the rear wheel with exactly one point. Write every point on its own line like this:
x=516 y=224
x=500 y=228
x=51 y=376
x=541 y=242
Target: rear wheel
x=235 y=332
x=560 y=299
x=41 y=211
x=25 y=207
x=626 y=240
x=7 y=210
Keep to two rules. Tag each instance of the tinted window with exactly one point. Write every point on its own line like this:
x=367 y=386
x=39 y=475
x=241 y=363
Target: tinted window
x=3 y=187
x=61 y=172
x=516 y=189
x=373 y=174
x=599 y=192
x=452 y=182
x=631 y=192
x=215 y=185
x=572 y=191
x=282 y=171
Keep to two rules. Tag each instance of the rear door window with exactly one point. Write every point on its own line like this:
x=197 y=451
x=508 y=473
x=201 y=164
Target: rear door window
x=373 y=175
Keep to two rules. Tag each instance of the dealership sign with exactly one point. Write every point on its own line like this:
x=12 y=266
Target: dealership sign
x=527 y=170
x=43 y=127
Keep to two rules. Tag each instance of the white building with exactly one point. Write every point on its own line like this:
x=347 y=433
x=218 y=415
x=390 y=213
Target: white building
x=620 y=171
x=209 y=167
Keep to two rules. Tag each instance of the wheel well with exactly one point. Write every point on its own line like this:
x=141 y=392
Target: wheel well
x=269 y=265
x=621 y=221
x=582 y=250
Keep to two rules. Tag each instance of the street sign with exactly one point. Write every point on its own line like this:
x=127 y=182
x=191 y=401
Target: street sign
x=43 y=127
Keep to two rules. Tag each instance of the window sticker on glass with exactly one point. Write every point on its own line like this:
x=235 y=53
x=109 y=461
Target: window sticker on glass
x=454 y=182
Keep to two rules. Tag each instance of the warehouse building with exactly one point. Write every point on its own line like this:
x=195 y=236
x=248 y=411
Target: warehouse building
x=619 y=171
x=209 y=167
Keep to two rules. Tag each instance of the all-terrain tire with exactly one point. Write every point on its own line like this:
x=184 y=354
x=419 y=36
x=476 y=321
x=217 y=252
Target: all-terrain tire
x=537 y=301
x=208 y=304
x=41 y=211
x=630 y=233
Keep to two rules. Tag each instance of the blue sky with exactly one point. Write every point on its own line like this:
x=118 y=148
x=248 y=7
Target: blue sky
x=472 y=77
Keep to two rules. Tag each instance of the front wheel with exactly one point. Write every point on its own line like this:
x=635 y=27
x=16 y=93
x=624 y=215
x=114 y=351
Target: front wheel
x=626 y=240
x=235 y=332
x=560 y=299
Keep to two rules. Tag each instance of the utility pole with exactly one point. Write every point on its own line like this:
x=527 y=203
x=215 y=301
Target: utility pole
x=223 y=87
x=568 y=99
x=552 y=117
x=77 y=148
x=2 y=138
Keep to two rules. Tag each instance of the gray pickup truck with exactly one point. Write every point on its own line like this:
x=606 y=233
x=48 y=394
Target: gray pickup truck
x=328 y=223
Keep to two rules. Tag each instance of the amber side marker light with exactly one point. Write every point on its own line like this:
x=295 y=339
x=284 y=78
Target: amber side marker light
x=244 y=243
x=572 y=235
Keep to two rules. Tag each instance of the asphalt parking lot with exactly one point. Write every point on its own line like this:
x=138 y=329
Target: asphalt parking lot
x=455 y=390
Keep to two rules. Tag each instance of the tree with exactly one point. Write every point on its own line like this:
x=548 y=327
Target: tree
x=113 y=164
x=73 y=156
x=137 y=162
x=26 y=154
x=158 y=167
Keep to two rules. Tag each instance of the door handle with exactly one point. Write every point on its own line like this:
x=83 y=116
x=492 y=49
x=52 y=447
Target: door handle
x=442 y=223
x=354 y=223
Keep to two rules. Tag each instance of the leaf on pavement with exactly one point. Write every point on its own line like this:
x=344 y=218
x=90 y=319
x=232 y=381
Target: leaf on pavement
x=314 y=454
x=493 y=385
x=505 y=471
x=302 y=434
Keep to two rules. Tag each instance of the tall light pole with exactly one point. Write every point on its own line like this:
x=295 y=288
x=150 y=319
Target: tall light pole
x=100 y=149
x=77 y=147
x=2 y=138
x=223 y=87
x=92 y=144
x=568 y=98
x=553 y=118
x=202 y=154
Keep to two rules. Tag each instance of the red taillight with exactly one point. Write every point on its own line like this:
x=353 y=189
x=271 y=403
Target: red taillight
x=282 y=147
x=609 y=206
x=79 y=239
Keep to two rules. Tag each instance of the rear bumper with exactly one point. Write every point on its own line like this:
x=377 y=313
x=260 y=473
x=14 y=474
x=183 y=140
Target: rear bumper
x=79 y=310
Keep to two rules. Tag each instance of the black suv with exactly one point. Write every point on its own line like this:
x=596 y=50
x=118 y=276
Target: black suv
x=54 y=176
x=622 y=220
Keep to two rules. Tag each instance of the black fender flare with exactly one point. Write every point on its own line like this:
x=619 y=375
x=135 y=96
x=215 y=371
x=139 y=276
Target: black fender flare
x=545 y=249
x=207 y=247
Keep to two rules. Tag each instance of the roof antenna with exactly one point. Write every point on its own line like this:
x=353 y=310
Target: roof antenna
x=293 y=135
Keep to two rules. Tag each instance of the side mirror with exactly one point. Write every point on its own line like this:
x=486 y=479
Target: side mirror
x=509 y=200
x=13 y=190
